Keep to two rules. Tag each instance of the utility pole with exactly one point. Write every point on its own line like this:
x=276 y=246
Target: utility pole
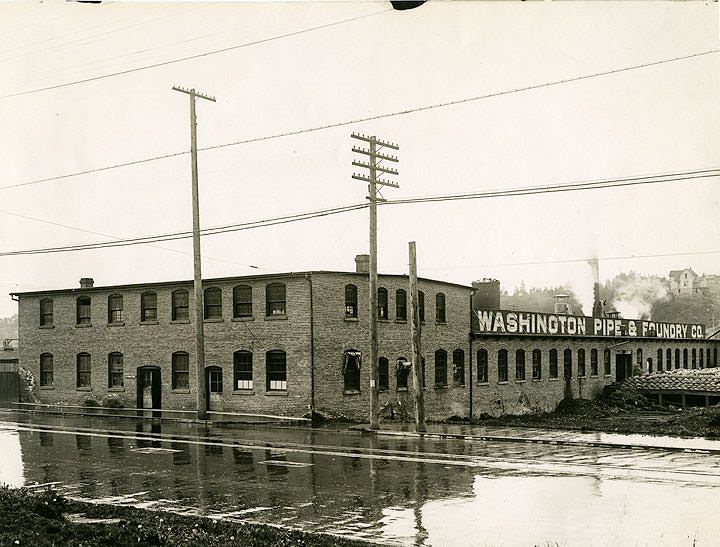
x=197 y=270
x=373 y=166
x=416 y=346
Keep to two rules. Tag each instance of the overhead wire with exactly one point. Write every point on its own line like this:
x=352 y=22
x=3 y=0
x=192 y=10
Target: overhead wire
x=357 y=120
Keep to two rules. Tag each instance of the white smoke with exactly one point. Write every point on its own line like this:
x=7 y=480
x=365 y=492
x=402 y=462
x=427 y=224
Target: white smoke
x=582 y=285
x=634 y=296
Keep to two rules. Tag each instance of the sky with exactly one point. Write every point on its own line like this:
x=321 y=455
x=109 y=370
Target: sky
x=300 y=67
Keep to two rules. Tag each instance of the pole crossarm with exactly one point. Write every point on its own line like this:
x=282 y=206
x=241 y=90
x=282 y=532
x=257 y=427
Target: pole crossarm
x=377 y=142
x=373 y=154
x=388 y=170
x=376 y=181
x=194 y=93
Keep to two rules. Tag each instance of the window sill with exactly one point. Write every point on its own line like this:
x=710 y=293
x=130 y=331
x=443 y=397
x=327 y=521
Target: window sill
x=608 y=375
x=180 y=322
x=46 y=326
x=46 y=388
x=442 y=387
x=459 y=385
x=537 y=379
x=116 y=389
x=583 y=377
x=553 y=379
x=351 y=319
x=243 y=392
x=381 y=320
x=116 y=324
x=83 y=389
x=179 y=391
x=83 y=326
x=402 y=321
x=213 y=320
x=401 y=389
x=276 y=393
x=593 y=376
x=277 y=317
x=503 y=382
x=245 y=318
x=441 y=322
x=483 y=383
x=351 y=392
x=520 y=381
x=383 y=389
x=148 y=323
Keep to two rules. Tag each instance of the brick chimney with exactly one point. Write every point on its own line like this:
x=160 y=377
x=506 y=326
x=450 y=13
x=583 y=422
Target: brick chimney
x=362 y=264
x=86 y=282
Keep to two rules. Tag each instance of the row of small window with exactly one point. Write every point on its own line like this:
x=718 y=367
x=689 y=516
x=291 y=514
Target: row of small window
x=401 y=312
x=212 y=303
x=695 y=358
x=275 y=370
x=536 y=368
x=352 y=363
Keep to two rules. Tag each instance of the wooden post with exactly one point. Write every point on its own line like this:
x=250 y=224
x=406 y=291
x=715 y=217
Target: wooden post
x=416 y=347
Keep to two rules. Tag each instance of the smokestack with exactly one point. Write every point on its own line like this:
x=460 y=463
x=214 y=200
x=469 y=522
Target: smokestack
x=597 y=310
x=86 y=282
x=362 y=264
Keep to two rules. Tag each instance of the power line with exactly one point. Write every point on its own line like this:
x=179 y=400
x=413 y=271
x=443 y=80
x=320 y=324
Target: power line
x=196 y=56
x=358 y=120
x=567 y=187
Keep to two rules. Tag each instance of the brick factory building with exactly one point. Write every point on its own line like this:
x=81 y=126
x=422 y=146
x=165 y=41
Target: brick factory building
x=286 y=344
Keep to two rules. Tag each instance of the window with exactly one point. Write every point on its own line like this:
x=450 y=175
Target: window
x=459 y=367
x=351 y=301
x=421 y=306
x=180 y=305
x=382 y=303
x=440 y=368
x=83 y=370
x=567 y=363
x=606 y=363
x=115 y=370
x=46 y=370
x=693 y=362
x=639 y=358
x=422 y=372
x=402 y=371
x=581 y=362
x=649 y=364
x=553 y=363
x=701 y=355
x=83 y=310
x=659 y=360
x=677 y=357
x=180 y=370
x=714 y=357
x=593 y=362
x=242 y=370
x=46 y=312
x=685 y=358
x=351 y=370
x=115 y=308
x=668 y=355
x=482 y=366
x=537 y=364
x=148 y=307
x=520 y=364
x=401 y=305
x=384 y=374
x=276 y=368
x=212 y=302
x=440 y=307
x=275 y=299
x=709 y=364
x=242 y=301
x=502 y=365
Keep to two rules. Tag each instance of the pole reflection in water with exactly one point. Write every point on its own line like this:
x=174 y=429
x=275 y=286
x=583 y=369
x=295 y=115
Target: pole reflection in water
x=11 y=459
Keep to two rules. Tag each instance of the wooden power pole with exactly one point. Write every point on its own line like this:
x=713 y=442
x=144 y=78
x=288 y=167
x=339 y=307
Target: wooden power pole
x=373 y=166
x=416 y=346
x=197 y=270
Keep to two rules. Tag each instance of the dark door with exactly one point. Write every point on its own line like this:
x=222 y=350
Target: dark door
x=148 y=386
x=623 y=366
x=215 y=388
x=9 y=386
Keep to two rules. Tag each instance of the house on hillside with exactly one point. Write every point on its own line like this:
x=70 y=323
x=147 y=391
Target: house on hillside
x=684 y=282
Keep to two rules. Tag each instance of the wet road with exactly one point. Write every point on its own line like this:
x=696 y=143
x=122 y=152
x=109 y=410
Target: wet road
x=395 y=490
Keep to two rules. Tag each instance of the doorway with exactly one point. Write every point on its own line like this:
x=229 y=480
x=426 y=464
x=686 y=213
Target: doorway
x=213 y=377
x=623 y=366
x=148 y=387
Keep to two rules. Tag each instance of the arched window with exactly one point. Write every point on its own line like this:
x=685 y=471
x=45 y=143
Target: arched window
x=115 y=370
x=180 y=370
x=536 y=364
x=180 y=305
x=441 y=368
x=668 y=356
x=567 y=363
x=553 y=363
x=242 y=370
x=83 y=310
x=482 y=366
x=502 y=365
x=351 y=301
x=520 y=364
x=421 y=306
x=115 y=308
x=46 y=312
x=607 y=364
x=677 y=357
x=148 y=307
x=659 y=360
x=351 y=370
x=212 y=302
x=701 y=356
x=693 y=361
x=440 y=307
x=276 y=370
x=402 y=371
x=639 y=358
x=275 y=299
x=382 y=303
x=401 y=305
x=650 y=364
x=383 y=374
x=685 y=358
x=242 y=301
x=46 y=370
x=581 y=362
x=593 y=362
x=83 y=370
x=707 y=360
x=458 y=367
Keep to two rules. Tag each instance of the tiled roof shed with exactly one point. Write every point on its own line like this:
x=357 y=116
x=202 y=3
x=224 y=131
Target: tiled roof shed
x=688 y=384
